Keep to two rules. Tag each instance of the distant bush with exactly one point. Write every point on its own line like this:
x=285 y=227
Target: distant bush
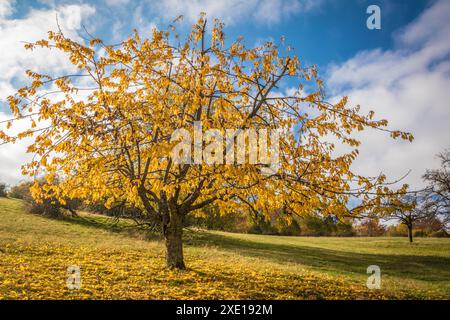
x=419 y=233
x=46 y=207
x=210 y=218
x=344 y=229
x=289 y=228
x=398 y=230
x=278 y=223
x=49 y=207
x=439 y=234
x=20 y=191
x=262 y=228
x=317 y=226
x=431 y=227
x=3 y=192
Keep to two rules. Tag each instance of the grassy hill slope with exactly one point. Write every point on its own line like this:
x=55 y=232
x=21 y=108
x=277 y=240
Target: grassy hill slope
x=118 y=262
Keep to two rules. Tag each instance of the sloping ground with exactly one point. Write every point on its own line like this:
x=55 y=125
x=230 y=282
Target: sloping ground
x=118 y=262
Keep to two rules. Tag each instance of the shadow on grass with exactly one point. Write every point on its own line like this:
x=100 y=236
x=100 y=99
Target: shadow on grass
x=129 y=229
x=427 y=268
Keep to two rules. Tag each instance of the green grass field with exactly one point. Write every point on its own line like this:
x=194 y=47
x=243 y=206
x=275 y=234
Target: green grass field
x=120 y=262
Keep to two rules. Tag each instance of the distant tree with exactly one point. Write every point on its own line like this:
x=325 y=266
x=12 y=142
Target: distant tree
x=210 y=217
x=288 y=227
x=3 y=192
x=430 y=225
x=438 y=190
x=345 y=228
x=316 y=225
x=397 y=230
x=370 y=227
x=409 y=209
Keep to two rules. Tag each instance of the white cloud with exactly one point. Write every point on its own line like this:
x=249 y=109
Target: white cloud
x=115 y=3
x=12 y=156
x=409 y=86
x=15 y=60
x=15 y=32
x=233 y=11
x=141 y=21
x=6 y=7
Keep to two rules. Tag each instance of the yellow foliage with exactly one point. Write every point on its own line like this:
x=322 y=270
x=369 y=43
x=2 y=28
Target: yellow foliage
x=115 y=143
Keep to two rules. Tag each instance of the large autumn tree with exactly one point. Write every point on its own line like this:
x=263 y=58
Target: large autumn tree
x=104 y=132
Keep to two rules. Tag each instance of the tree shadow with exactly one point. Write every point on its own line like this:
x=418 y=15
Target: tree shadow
x=426 y=268
x=112 y=226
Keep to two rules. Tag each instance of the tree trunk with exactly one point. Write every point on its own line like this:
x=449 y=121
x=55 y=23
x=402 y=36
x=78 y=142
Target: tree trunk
x=410 y=233
x=173 y=233
x=172 y=228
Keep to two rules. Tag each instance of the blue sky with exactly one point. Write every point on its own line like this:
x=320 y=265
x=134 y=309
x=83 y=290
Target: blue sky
x=402 y=71
x=327 y=31
x=322 y=32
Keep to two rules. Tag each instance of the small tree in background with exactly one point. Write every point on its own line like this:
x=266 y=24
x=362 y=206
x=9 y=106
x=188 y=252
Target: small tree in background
x=370 y=227
x=429 y=226
x=409 y=209
x=438 y=190
x=429 y=205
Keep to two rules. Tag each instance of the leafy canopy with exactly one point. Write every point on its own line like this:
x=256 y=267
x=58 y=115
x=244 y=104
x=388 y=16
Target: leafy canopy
x=104 y=132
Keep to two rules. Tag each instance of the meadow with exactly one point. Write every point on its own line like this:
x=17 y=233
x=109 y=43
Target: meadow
x=118 y=261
